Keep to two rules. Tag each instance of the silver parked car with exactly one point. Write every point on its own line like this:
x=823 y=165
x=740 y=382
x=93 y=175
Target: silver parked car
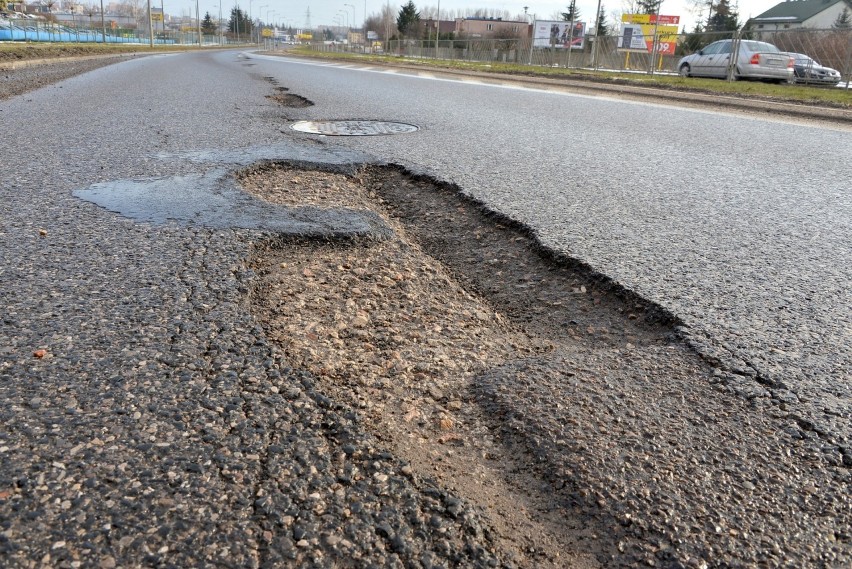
x=756 y=60
x=808 y=70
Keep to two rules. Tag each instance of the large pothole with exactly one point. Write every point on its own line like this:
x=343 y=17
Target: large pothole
x=535 y=388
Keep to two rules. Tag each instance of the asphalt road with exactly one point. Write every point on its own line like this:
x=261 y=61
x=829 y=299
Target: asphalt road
x=147 y=421
x=738 y=224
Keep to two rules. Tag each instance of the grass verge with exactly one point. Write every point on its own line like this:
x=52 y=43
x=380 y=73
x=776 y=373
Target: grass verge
x=24 y=51
x=803 y=94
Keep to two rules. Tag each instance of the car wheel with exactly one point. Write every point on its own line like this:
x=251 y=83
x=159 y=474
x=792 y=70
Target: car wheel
x=684 y=70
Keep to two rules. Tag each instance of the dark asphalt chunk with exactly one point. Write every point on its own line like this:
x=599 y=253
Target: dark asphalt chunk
x=212 y=200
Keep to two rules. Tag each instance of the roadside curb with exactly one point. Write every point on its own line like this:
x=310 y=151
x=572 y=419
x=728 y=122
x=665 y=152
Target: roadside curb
x=692 y=98
x=25 y=63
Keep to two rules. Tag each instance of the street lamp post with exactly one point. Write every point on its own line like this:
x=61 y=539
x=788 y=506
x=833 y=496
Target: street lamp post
x=219 y=23
x=597 y=38
x=103 y=23
x=259 y=10
x=150 y=26
x=237 y=17
x=74 y=23
x=251 y=30
x=655 y=46
x=438 y=30
x=272 y=24
x=353 y=13
x=532 y=35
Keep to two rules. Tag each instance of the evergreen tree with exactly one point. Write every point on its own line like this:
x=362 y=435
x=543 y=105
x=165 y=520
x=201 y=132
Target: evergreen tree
x=602 y=27
x=693 y=41
x=239 y=23
x=207 y=25
x=843 y=21
x=723 y=18
x=573 y=14
x=648 y=6
x=408 y=19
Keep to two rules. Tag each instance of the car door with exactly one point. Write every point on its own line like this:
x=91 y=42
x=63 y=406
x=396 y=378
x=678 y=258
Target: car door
x=717 y=66
x=703 y=64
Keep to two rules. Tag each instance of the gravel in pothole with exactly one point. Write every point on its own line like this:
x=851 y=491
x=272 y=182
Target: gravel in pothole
x=565 y=407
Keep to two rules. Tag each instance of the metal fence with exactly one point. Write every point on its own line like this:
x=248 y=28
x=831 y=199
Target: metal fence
x=831 y=47
x=89 y=30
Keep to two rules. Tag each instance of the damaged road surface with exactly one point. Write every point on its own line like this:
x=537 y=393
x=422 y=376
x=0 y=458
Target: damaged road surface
x=566 y=408
x=228 y=343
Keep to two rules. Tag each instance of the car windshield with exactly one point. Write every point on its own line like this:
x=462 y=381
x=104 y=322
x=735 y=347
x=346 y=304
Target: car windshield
x=761 y=47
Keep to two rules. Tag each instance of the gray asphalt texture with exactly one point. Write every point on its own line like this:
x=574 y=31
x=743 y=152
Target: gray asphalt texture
x=160 y=428
x=739 y=225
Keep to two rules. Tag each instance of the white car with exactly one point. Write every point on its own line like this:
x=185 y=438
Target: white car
x=756 y=60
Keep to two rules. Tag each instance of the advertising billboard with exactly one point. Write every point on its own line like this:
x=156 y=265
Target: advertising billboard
x=551 y=33
x=637 y=33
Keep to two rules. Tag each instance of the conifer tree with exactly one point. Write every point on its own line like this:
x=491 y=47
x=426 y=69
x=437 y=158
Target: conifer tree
x=843 y=20
x=573 y=14
x=408 y=19
x=207 y=25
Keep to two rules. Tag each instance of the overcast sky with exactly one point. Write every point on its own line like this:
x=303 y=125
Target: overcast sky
x=325 y=12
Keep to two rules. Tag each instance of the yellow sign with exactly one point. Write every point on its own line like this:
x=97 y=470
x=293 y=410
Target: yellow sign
x=650 y=19
x=267 y=33
x=156 y=16
x=637 y=33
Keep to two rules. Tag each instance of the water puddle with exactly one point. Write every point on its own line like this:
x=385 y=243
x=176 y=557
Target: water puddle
x=212 y=199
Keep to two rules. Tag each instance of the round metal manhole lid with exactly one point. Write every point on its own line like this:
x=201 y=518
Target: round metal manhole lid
x=353 y=128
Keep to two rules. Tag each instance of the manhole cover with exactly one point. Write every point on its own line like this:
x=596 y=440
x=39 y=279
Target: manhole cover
x=353 y=128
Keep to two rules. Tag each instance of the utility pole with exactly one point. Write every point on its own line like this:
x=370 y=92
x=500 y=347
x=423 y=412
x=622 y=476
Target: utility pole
x=438 y=31
x=103 y=23
x=150 y=26
x=595 y=45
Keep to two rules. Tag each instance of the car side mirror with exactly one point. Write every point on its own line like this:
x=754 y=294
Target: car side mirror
x=700 y=52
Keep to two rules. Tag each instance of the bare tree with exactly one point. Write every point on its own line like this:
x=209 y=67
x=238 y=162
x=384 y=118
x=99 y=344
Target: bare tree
x=698 y=8
x=132 y=8
x=629 y=7
x=486 y=13
x=49 y=16
x=91 y=10
x=383 y=23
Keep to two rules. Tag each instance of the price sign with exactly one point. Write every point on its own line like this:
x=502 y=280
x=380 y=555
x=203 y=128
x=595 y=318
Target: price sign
x=638 y=33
